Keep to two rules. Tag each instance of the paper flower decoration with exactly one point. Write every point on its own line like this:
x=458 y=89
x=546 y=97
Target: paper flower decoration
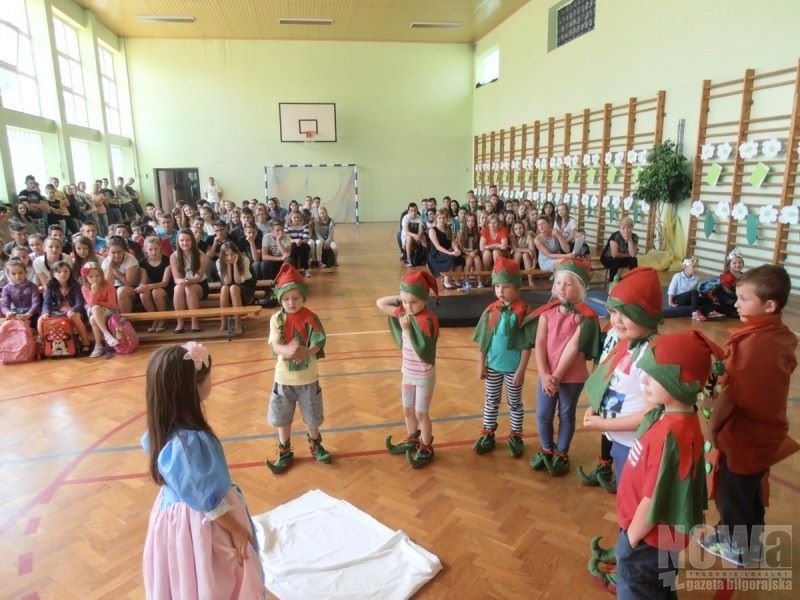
x=724 y=151
x=748 y=150
x=574 y=161
x=643 y=157
x=645 y=207
x=707 y=151
x=559 y=161
x=587 y=159
x=549 y=196
x=739 y=211
x=698 y=208
x=723 y=210
x=596 y=159
x=557 y=197
x=631 y=157
x=593 y=201
x=771 y=147
x=627 y=202
x=767 y=214
x=606 y=201
x=608 y=158
x=552 y=162
x=790 y=215
x=538 y=163
x=619 y=158
x=615 y=201
x=585 y=200
x=536 y=195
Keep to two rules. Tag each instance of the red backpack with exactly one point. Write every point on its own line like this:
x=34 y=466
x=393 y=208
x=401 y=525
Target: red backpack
x=57 y=338
x=16 y=342
x=122 y=329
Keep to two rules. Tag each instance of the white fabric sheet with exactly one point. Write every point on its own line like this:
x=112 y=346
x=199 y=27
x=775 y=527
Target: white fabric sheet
x=317 y=546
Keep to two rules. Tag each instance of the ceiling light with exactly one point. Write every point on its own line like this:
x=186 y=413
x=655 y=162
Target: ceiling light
x=298 y=21
x=435 y=25
x=164 y=19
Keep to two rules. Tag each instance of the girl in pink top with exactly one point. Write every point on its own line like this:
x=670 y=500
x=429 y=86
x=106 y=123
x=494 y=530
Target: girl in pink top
x=101 y=303
x=567 y=335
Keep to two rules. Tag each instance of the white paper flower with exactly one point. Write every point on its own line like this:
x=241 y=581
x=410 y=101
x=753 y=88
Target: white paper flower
x=748 y=150
x=567 y=198
x=536 y=196
x=596 y=159
x=643 y=157
x=552 y=162
x=608 y=158
x=606 y=201
x=587 y=159
x=631 y=157
x=771 y=148
x=538 y=163
x=585 y=200
x=627 y=202
x=504 y=165
x=723 y=210
x=576 y=161
x=645 y=207
x=594 y=201
x=724 y=151
x=557 y=197
x=559 y=162
x=739 y=211
x=707 y=152
x=698 y=208
x=619 y=157
x=616 y=201
x=767 y=214
x=790 y=215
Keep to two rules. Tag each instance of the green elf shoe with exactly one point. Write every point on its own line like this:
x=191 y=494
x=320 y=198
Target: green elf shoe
x=285 y=458
x=485 y=443
x=591 y=477
x=516 y=446
x=560 y=465
x=422 y=457
x=607 y=555
x=604 y=574
x=410 y=443
x=605 y=477
x=318 y=451
x=543 y=459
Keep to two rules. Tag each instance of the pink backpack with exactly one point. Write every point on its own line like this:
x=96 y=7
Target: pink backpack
x=123 y=330
x=16 y=342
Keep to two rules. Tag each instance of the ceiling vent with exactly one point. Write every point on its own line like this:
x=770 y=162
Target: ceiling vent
x=159 y=19
x=434 y=25
x=291 y=21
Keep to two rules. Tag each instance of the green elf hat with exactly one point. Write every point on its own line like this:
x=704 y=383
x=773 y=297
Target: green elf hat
x=577 y=266
x=289 y=279
x=638 y=296
x=419 y=283
x=506 y=271
x=682 y=363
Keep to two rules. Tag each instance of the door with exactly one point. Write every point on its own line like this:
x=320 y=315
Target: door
x=177 y=186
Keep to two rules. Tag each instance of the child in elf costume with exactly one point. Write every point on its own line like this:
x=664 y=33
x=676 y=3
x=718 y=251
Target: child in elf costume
x=298 y=340
x=617 y=406
x=415 y=329
x=505 y=334
x=567 y=335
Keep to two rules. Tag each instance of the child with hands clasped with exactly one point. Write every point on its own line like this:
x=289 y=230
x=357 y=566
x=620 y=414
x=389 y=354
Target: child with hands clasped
x=567 y=335
x=415 y=329
x=200 y=540
x=20 y=297
x=101 y=303
x=505 y=334
x=298 y=339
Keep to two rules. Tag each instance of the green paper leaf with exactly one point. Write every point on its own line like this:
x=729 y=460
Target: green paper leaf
x=752 y=228
x=591 y=175
x=714 y=172
x=556 y=175
x=708 y=224
x=529 y=176
x=636 y=173
x=611 y=175
x=590 y=211
x=636 y=211
x=759 y=175
x=540 y=177
x=573 y=175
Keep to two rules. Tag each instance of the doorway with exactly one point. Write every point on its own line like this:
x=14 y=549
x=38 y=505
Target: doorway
x=177 y=186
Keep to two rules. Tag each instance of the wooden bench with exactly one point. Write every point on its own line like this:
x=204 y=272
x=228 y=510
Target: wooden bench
x=261 y=284
x=199 y=313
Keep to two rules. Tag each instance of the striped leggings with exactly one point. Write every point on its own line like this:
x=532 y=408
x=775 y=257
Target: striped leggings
x=494 y=390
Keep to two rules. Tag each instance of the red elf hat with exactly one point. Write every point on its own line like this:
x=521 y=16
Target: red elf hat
x=289 y=279
x=638 y=296
x=506 y=271
x=419 y=283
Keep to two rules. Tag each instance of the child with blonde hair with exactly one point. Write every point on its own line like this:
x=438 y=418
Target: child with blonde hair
x=101 y=303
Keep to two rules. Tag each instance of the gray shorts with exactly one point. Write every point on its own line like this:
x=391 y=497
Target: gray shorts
x=283 y=399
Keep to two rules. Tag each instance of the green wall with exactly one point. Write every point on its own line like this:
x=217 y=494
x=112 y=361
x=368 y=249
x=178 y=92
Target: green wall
x=403 y=113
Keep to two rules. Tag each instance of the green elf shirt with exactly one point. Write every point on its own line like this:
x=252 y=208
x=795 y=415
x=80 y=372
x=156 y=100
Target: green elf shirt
x=590 y=335
x=503 y=332
x=305 y=327
x=424 y=332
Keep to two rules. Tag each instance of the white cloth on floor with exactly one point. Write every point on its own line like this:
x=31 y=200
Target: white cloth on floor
x=317 y=546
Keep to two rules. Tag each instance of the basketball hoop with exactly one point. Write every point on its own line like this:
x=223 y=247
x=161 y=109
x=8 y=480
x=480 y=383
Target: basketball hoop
x=310 y=136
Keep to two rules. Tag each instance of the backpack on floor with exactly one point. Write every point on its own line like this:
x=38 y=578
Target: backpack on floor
x=123 y=331
x=16 y=342
x=57 y=338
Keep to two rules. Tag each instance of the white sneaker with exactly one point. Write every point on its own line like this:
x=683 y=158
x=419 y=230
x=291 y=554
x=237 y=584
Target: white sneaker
x=307 y=273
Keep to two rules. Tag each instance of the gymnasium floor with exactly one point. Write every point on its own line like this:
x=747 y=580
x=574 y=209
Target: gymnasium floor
x=74 y=499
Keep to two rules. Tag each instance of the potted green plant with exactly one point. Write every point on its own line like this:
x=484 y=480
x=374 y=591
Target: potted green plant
x=665 y=182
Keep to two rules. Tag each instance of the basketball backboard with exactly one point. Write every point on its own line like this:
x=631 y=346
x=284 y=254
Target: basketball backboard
x=297 y=119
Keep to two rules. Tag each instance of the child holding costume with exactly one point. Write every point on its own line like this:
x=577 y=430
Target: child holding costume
x=200 y=540
x=663 y=494
x=617 y=406
x=415 y=329
x=505 y=334
x=297 y=338
x=567 y=335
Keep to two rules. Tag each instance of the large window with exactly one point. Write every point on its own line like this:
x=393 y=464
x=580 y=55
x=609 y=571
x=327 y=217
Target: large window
x=488 y=68
x=71 y=72
x=18 y=87
x=27 y=155
x=81 y=161
x=117 y=163
x=110 y=92
x=569 y=19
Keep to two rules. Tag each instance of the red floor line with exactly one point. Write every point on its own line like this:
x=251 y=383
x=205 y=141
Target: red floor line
x=25 y=564
x=33 y=596
x=792 y=486
x=33 y=525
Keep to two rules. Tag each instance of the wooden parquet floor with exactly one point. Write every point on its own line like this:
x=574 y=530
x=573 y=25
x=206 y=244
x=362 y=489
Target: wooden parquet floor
x=74 y=500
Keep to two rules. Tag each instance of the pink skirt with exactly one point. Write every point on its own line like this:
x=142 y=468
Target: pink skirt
x=190 y=557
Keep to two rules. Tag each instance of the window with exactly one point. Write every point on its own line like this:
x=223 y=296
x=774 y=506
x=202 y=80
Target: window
x=117 y=164
x=488 y=67
x=573 y=18
x=71 y=72
x=27 y=155
x=110 y=93
x=19 y=89
x=81 y=161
